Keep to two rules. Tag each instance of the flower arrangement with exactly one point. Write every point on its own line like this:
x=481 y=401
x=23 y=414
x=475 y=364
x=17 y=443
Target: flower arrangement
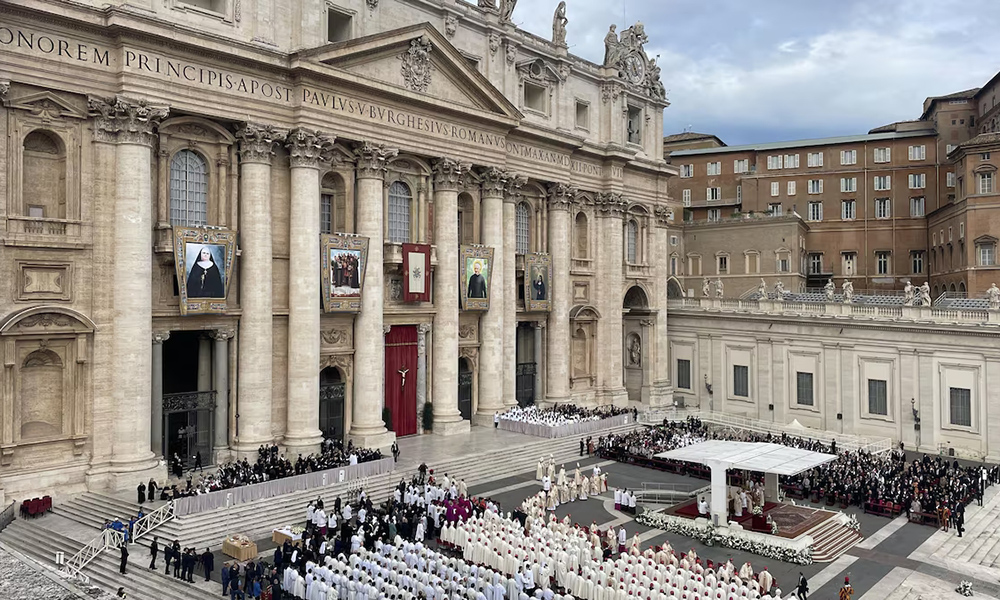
x=238 y=539
x=853 y=524
x=757 y=510
x=964 y=588
x=297 y=530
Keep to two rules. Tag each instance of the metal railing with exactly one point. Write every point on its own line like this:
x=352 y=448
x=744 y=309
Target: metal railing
x=110 y=539
x=680 y=488
x=153 y=520
x=8 y=515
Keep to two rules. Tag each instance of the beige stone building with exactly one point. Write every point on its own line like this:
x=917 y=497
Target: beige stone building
x=401 y=121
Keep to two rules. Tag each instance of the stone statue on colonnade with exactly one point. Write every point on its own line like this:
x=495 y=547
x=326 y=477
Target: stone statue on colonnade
x=848 y=292
x=908 y=294
x=993 y=297
x=829 y=289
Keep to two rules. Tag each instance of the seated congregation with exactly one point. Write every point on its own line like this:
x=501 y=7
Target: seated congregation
x=561 y=414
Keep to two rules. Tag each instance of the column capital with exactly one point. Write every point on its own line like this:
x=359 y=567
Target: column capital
x=386 y=329
x=538 y=324
x=372 y=159
x=561 y=196
x=221 y=335
x=123 y=120
x=610 y=204
x=160 y=336
x=308 y=148
x=494 y=182
x=664 y=215
x=257 y=142
x=449 y=173
x=4 y=89
x=512 y=192
x=424 y=328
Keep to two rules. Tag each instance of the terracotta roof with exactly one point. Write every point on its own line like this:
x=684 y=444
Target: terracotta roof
x=891 y=126
x=687 y=136
x=982 y=139
x=963 y=95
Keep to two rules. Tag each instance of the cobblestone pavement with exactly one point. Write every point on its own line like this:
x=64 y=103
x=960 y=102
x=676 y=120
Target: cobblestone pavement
x=21 y=581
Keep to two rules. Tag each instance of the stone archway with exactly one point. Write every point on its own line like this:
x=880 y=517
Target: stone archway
x=635 y=343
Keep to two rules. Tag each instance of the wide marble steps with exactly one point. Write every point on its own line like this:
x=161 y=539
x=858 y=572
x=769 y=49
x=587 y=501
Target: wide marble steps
x=831 y=539
x=980 y=544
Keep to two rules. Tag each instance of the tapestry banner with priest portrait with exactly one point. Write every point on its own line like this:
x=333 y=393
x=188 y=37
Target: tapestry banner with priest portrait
x=537 y=275
x=203 y=260
x=475 y=275
x=416 y=273
x=343 y=262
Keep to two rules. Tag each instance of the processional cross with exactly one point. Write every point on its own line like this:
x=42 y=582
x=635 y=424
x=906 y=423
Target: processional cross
x=403 y=372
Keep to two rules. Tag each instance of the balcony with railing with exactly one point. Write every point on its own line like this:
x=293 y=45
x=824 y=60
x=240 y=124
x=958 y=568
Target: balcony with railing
x=41 y=231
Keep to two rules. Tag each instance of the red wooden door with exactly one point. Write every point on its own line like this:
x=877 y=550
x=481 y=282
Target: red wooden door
x=401 y=378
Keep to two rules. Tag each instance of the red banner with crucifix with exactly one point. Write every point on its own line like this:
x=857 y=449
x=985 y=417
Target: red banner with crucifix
x=416 y=273
x=401 y=378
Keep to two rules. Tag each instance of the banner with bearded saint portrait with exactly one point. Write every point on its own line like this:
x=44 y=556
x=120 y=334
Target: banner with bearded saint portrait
x=343 y=260
x=475 y=277
x=537 y=277
x=203 y=261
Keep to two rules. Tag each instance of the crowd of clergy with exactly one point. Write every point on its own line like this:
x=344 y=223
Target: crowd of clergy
x=561 y=414
x=559 y=489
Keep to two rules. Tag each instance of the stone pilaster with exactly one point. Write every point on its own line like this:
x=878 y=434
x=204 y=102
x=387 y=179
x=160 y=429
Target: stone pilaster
x=367 y=427
x=511 y=195
x=562 y=197
x=256 y=347
x=491 y=326
x=448 y=175
x=660 y=389
x=610 y=210
x=539 y=327
x=422 y=331
x=156 y=411
x=220 y=382
x=131 y=124
x=307 y=150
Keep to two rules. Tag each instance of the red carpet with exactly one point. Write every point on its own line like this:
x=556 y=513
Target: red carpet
x=689 y=510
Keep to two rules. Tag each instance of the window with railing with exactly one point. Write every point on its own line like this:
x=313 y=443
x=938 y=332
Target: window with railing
x=188 y=189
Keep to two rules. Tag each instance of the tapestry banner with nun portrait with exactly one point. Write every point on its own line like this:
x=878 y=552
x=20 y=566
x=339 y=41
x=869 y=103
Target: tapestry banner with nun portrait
x=537 y=278
x=203 y=260
x=343 y=262
x=475 y=275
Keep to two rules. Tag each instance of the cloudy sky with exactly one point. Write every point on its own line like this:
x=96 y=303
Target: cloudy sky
x=768 y=70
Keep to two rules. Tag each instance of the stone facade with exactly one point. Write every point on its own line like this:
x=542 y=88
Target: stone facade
x=400 y=121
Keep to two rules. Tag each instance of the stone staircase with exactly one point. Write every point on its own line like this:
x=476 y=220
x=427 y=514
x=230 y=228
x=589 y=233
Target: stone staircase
x=831 y=539
x=981 y=543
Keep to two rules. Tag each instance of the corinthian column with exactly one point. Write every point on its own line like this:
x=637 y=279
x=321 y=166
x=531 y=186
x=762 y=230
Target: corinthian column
x=561 y=199
x=220 y=382
x=447 y=176
x=131 y=124
x=511 y=195
x=610 y=209
x=256 y=346
x=306 y=150
x=367 y=428
x=661 y=391
x=491 y=363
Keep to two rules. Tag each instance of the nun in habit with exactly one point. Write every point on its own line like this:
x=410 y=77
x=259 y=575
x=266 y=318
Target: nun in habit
x=205 y=279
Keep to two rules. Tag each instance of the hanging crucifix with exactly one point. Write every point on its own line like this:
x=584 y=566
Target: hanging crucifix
x=403 y=372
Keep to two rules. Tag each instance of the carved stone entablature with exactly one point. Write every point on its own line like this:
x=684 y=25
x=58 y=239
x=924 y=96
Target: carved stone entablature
x=126 y=121
x=47 y=107
x=308 y=148
x=338 y=336
x=344 y=362
x=494 y=182
x=449 y=173
x=257 y=142
x=373 y=159
x=561 y=196
x=634 y=67
x=417 y=67
x=47 y=321
x=610 y=204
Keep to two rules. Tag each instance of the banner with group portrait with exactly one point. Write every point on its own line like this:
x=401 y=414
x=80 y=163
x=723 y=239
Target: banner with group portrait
x=203 y=260
x=537 y=276
x=475 y=276
x=343 y=262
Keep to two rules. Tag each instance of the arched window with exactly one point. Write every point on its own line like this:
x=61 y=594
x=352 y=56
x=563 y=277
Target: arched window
x=44 y=176
x=523 y=229
x=399 y=212
x=581 y=235
x=188 y=189
x=632 y=242
x=333 y=204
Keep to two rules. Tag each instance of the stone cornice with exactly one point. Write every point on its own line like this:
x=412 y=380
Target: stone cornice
x=257 y=142
x=308 y=148
x=449 y=173
x=494 y=182
x=122 y=120
x=372 y=159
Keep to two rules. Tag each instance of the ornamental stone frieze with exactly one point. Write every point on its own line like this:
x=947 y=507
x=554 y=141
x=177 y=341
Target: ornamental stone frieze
x=561 y=196
x=628 y=57
x=373 y=159
x=494 y=182
x=124 y=120
x=610 y=204
x=308 y=148
x=257 y=142
x=449 y=173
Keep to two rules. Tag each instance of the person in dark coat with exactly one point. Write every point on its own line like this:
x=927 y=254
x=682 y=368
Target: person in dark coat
x=190 y=560
x=124 y=561
x=278 y=557
x=177 y=559
x=168 y=555
x=225 y=578
x=151 y=488
x=197 y=462
x=208 y=563
x=154 y=548
x=141 y=492
x=803 y=588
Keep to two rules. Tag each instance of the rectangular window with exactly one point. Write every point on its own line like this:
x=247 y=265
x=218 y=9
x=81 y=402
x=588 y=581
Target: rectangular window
x=338 y=26
x=917 y=206
x=815 y=211
x=535 y=98
x=715 y=168
x=791 y=188
x=848 y=157
x=917 y=181
x=849 y=260
x=36 y=211
x=582 y=115
x=774 y=162
x=917 y=152
x=741 y=166
x=723 y=265
x=961 y=231
x=878 y=403
x=741 y=381
x=804 y=388
x=883 y=183
x=815 y=186
x=325 y=213
x=815 y=263
x=673 y=240
x=882 y=262
x=986 y=183
x=883 y=155
x=882 y=208
x=961 y=406
x=715 y=214
x=775 y=209
x=683 y=374
x=987 y=255
x=739 y=194
x=713 y=193
x=687 y=170
x=950 y=179
x=783 y=263
x=949 y=147
x=917 y=262
x=673 y=265
x=984 y=156
x=848 y=184
x=635 y=122
x=848 y=210
x=815 y=159
x=775 y=188
x=686 y=197
x=791 y=161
